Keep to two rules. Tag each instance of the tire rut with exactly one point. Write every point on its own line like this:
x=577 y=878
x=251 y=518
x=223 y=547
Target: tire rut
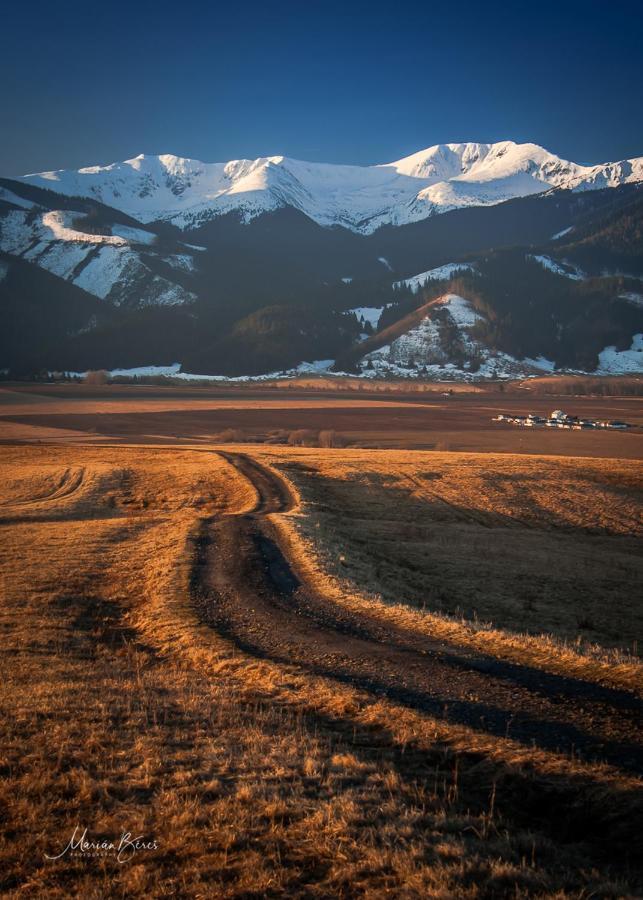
x=70 y=482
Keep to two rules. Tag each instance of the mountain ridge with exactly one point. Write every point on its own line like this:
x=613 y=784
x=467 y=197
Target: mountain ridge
x=188 y=193
x=85 y=285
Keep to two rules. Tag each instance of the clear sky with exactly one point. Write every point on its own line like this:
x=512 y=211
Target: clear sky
x=86 y=83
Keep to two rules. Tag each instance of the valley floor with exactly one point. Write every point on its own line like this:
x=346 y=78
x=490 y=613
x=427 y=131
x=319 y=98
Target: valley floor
x=381 y=416
x=319 y=672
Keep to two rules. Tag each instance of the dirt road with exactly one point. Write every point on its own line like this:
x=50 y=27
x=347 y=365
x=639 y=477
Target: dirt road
x=246 y=588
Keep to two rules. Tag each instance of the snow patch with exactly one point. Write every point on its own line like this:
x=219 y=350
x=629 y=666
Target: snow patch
x=621 y=362
x=316 y=366
x=181 y=261
x=461 y=311
x=60 y=258
x=370 y=314
x=59 y=226
x=560 y=234
x=440 y=273
x=540 y=362
x=632 y=297
x=174 y=371
x=15 y=234
x=422 y=352
x=104 y=265
x=10 y=197
x=133 y=235
x=564 y=269
x=109 y=267
x=619 y=273
x=143 y=371
x=385 y=262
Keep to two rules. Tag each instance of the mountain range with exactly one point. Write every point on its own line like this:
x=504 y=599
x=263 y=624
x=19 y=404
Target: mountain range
x=475 y=259
x=188 y=193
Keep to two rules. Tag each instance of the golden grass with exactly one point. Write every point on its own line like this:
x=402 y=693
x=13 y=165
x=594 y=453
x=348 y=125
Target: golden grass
x=121 y=710
x=535 y=559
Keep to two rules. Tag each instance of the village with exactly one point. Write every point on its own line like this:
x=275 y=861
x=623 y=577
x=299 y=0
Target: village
x=559 y=419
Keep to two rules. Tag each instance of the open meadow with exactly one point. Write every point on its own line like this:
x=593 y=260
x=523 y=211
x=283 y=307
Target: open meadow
x=398 y=668
x=369 y=416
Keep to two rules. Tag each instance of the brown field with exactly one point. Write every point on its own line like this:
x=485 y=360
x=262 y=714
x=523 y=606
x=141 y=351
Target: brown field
x=536 y=544
x=404 y=419
x=312 y=672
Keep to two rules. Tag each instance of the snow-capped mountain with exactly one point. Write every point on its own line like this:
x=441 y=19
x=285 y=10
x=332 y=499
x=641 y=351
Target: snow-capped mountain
x=188 y=193
x=93 y=275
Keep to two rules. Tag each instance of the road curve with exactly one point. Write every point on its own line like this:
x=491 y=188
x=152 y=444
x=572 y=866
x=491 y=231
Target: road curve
x=250 y=592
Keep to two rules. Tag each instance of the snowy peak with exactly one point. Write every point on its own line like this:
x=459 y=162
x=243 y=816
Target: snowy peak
x=443 y=161
x=190 y=193
x=480 y=162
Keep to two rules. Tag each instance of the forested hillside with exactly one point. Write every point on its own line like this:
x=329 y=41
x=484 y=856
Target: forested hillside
x=86 y=286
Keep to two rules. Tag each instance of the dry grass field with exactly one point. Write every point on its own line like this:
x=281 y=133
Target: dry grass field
x=267 y=747
x=379 y=416
x=534 y=544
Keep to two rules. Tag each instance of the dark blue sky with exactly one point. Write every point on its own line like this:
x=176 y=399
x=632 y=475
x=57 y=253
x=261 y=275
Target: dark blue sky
x=84 y=83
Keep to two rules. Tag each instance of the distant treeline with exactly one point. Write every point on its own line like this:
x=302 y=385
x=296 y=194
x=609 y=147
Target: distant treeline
x=578 y=386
